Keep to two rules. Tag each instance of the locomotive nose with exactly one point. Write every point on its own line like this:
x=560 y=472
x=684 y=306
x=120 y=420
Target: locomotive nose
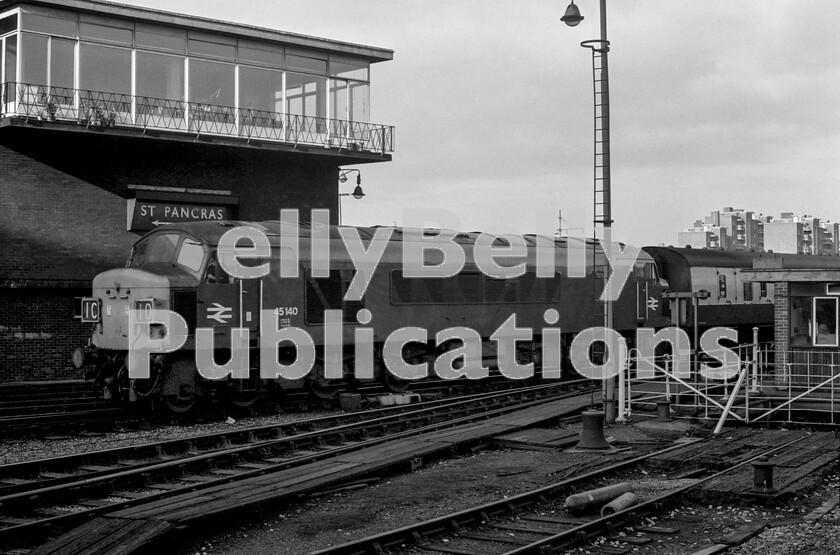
x=122 y=290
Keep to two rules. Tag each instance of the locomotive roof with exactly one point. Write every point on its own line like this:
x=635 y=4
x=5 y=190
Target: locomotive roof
x=744 y=259
x=212 y=230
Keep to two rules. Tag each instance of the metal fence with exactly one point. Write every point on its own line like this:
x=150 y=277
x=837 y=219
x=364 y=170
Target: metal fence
x=763 y=384
x=99 y=109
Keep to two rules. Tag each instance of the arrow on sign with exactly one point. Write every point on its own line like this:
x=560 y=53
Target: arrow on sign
x=158 y=222
x=219 y=313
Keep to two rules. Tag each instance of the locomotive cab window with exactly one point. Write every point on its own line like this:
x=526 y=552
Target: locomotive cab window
x=191 y=254
x=138 y=254
x=646 y=271
x=215 y=273
x=162 y=248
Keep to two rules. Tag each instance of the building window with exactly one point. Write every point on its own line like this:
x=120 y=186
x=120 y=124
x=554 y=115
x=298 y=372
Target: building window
x=261 y=89
x=10 y=59
x=359 y=102
x=209 y=49
x=33 y=70
x=8 y=24
x=825 y=321
x=211 y=83
x=800 y=321
x=338 y=99
x=160 y=76
x=261 y=54
x=62 y=54
x=762 y=289
x=169 y=40
x=216 y=73
x=305 y=95
x=105 y=33
x=349 y=90
x=105 y=69
x=47 y=61
x=305 y=63
x=50 y=25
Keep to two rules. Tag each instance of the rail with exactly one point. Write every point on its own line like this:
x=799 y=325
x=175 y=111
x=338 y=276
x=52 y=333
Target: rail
x=97 y=109
x=541 y=524
x=93 y=480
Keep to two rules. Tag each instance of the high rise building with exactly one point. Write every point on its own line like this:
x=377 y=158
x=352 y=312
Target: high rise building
x=737 y=229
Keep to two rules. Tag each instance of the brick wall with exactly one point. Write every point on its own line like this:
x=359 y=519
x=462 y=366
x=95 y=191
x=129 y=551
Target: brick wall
x=63 y=220
x=56 y=227
x=38 y=334
x=781 y=316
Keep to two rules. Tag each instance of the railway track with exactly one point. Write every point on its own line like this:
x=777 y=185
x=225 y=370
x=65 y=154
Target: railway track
x=53 y=408
x=536 y=522
x=42 y=414
x=55 y=493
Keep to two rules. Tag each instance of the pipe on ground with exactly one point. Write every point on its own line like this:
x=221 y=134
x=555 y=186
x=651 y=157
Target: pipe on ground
x=592 y=500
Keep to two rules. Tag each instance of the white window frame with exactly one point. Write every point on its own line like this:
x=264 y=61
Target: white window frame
x=814 y=325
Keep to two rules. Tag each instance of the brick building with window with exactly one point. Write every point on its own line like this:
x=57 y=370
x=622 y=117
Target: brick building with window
x=116 y=119
x=807 y=320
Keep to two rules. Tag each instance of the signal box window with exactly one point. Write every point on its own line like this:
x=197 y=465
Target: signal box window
x=825 y=322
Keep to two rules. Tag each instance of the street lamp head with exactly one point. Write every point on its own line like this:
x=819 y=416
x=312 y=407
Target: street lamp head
x=357 y=192
x=342 y=177
x=572 y=16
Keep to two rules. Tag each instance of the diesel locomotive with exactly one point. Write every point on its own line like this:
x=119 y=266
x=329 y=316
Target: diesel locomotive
x=179 y=267
x=726 y=300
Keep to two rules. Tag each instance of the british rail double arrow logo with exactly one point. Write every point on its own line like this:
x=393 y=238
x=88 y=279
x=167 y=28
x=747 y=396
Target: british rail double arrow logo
x=220 y=313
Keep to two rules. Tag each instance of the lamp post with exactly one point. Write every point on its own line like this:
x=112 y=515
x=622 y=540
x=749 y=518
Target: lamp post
x=602 y=201
x=357 y=192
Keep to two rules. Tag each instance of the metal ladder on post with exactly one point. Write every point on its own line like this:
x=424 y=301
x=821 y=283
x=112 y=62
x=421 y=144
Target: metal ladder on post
x=602 y=210
x=602 y=219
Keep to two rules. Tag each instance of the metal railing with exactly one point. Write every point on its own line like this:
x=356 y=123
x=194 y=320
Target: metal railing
x=99 y=109
x=764 y=384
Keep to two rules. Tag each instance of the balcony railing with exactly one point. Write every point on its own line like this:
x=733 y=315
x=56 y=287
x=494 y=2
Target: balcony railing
x=99 y=109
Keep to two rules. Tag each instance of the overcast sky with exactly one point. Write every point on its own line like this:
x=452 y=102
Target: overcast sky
x=714 y=103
